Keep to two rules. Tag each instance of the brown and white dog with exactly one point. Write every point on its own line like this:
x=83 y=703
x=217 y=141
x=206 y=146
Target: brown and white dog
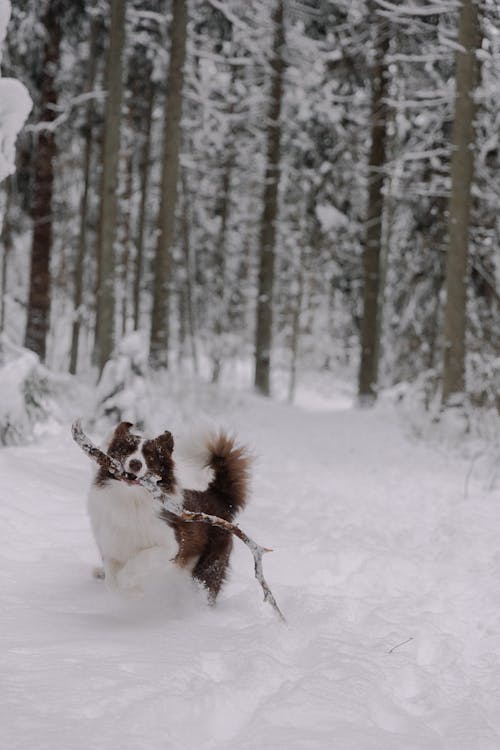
x=135 y=536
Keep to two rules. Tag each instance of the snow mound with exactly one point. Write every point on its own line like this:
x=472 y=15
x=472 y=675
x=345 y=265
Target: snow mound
x=123 y=390
x=15 y=106
x=33 y=398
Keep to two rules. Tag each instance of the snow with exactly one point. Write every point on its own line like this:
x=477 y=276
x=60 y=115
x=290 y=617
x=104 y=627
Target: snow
x=331 y=218
x=34 y=400
x=15 y=106
x=375 y=543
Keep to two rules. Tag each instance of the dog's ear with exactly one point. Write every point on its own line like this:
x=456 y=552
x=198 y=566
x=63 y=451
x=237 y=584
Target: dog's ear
x=123 y=428
x=166 y=441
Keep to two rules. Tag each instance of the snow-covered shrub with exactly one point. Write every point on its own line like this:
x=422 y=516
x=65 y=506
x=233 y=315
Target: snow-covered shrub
x=15 y=106
x=31 y=396
x=483 y=375
x=123 y=390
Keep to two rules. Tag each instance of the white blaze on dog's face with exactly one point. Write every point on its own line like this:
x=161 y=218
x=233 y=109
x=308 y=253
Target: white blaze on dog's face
x=134 y=464
x=139 y=455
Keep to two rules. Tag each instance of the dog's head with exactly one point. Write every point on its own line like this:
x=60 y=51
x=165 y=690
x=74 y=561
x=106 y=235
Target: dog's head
x=139 y=455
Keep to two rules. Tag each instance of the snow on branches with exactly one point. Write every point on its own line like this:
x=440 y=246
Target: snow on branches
x=15 y=105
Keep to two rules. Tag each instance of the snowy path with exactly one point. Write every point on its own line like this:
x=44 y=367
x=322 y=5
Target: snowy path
x=375 y=544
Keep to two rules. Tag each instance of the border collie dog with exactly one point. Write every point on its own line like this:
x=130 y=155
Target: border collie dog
x=134 y=535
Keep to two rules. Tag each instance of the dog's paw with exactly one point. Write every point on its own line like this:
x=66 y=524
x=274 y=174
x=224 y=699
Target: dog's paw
x=132 y=592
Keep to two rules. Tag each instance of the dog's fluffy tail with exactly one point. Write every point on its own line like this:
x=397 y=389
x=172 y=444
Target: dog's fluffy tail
x=230 y=464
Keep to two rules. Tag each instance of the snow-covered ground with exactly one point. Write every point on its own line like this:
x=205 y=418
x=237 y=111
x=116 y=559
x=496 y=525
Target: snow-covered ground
x=387 y=571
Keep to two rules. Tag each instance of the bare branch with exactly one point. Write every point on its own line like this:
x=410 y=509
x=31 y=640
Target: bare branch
x=416 y=10
x=398 y=645
x=51 y=126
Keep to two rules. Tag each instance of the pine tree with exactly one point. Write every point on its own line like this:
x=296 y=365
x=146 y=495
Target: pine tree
x=368 y=371
x=105 y=314
x=462 y=171
x=159 y=339
x=38 y=321
x=264 y=323
x=82 y=252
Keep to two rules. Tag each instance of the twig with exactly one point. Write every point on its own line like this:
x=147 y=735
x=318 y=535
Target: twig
x=256 y=550
x=469 y=474
x=172 y=505
x=400 y=644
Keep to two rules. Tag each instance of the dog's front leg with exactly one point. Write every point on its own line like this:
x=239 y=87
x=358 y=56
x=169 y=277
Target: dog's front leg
x=114 y=580
x=136 y=570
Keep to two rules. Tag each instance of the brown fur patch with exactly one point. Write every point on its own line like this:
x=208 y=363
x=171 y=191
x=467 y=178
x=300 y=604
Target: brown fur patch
x=122 y=444
x=231 y=466
x=224 y=497
x=158 y=455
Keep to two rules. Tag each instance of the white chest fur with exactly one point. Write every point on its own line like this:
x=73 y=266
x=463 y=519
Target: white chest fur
x=124 y=522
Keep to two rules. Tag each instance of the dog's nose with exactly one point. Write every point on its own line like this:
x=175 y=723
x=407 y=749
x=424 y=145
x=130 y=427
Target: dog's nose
x=135 y=466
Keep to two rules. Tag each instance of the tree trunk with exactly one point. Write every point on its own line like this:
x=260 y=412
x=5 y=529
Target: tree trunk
x=6 y=242
x=84 y=204
x=462 y=171
x=126 y=217
x=189 y=306
x=105 y=314
x=38 y=321
x=296 y=316
x=141 y=224
x=159 y=340
x=263 y=334
x=221 y=321
x=372 y=253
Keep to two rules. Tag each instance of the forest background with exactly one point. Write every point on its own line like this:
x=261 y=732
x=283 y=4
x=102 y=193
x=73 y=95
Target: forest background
x=268 y=188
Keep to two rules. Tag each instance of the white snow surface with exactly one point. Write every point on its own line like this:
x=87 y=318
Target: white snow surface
x=387 y=571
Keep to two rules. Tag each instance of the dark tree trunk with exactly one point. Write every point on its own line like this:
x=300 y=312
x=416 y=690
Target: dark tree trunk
x=6 y=242
x=160 y=329
x=190 y=323
x=295 y=339
x=221 y=322
x=264 y=326
x=84 y=205
x=372 y=254
x=105 y=313
x=126 y=217
x=462 y=172
x=38 y=321
x=143 y=202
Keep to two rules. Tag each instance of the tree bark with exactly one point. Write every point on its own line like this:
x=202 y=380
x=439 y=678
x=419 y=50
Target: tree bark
x=6 y=242
x=296 y=315
x=372 y=253
x=264 y=326
x=189 y=275
x=84 y=204
x=105 y=314
x=462 y=172
x=141 y=224
x=38 y=322
x=126 y=218
x=221 y=322
x=160 y=329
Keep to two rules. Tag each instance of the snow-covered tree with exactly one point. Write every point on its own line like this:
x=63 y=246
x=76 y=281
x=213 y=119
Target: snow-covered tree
x=15 y=104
